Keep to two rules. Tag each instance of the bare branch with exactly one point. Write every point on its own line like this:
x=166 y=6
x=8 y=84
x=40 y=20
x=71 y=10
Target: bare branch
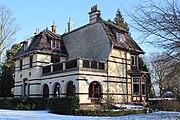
x=8 y=28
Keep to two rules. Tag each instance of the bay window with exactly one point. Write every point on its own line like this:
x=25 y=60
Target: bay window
x=136 y=86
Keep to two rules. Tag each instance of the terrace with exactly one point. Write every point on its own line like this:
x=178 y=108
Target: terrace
x=76 y=64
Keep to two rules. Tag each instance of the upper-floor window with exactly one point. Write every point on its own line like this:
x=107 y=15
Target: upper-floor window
x=20 y=64
x=120 y=37
x=30 y=61
x=134 y=60
x=55 y=44
x=25 y=45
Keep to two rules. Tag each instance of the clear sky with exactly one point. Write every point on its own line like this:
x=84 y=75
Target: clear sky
x=32 y=14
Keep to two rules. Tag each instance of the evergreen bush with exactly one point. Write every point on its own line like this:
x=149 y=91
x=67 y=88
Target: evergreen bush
x=64 y=105
x=108 y=113
x=24 y=103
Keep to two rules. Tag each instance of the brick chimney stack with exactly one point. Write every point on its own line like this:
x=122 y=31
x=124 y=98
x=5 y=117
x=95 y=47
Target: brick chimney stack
x=94 y=15
x=70 y=25
x=54 y=27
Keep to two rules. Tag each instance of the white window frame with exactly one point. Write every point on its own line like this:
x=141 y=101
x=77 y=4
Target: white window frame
x=55 y=44
x=120 y=37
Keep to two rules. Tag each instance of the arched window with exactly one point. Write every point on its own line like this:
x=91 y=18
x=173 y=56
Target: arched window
x=71 y=89
x=25 y=90
x=45 y=91
x=57 y=90
x=94 y=90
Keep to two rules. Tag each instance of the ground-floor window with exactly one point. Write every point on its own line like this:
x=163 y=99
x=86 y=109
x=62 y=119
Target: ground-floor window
x=136 y=86
x=57 y=90
x=25 y=90
x=94 y=90
x=45 y=91
x=143 y=87
x=71 y=89
x=139 y=89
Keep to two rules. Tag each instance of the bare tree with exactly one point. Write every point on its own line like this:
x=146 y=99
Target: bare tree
x=166 y=73
x=159 y=24
x=8 y=28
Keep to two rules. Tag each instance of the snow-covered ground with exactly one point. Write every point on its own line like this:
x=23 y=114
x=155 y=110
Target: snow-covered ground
x=44 y=115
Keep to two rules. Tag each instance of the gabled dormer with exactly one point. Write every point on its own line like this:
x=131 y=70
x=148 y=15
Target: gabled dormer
x=44 y=42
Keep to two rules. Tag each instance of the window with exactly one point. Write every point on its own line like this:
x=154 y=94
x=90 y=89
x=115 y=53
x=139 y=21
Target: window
x=86 y=64
x=55 y=44
x=57 y=90
x=25 y=87
x=120 y=37
x=25 y=45
x=20 y=64
x=136 y=86
x=94 y=64
x=31 y=61
x=143 y=86
x=94 y=90
x=134 y=60
x=45 y=91
x=71 y=89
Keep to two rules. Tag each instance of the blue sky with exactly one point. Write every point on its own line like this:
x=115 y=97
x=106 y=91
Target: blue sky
x=32 y=14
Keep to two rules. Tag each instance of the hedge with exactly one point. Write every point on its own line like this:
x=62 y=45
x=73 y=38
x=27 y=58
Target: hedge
x=108 y=113
x=24 y=103
x=166 y=105
x=64 y=105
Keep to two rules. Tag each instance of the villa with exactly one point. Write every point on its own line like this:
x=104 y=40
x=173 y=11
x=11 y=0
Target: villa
x=90 y=62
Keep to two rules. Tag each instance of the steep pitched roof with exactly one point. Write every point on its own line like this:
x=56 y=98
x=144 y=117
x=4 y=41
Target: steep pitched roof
x=42 y=43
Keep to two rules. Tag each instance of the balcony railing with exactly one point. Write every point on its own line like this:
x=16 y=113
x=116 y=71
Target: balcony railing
x=73 y=64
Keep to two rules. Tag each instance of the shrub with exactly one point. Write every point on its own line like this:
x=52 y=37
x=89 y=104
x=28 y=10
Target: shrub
x=107 y=113
x=30 y=103
x=64 y=105
x=166 y=105
x=23 y=103
x=6 y=103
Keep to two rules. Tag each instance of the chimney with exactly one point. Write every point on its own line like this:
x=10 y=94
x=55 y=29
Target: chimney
x=37 y=31
x=70 y=25
x=54 y=27
x=94 y=15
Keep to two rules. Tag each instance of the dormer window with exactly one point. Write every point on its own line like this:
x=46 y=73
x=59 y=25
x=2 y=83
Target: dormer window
x=120 y=37
x=55 y=44
x=25 y=45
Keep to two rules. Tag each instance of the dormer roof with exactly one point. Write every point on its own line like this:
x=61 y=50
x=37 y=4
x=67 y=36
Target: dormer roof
x=42 y=43
x=129 y=44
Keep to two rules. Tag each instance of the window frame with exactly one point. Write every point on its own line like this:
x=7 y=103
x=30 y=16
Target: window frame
x=25 y=45
x=30 y=61
x=120 y=36
x=143 y=91
x=134 y=61
x=55 y=45
x=92 y=90
x=20 y=64
x=136 y=83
